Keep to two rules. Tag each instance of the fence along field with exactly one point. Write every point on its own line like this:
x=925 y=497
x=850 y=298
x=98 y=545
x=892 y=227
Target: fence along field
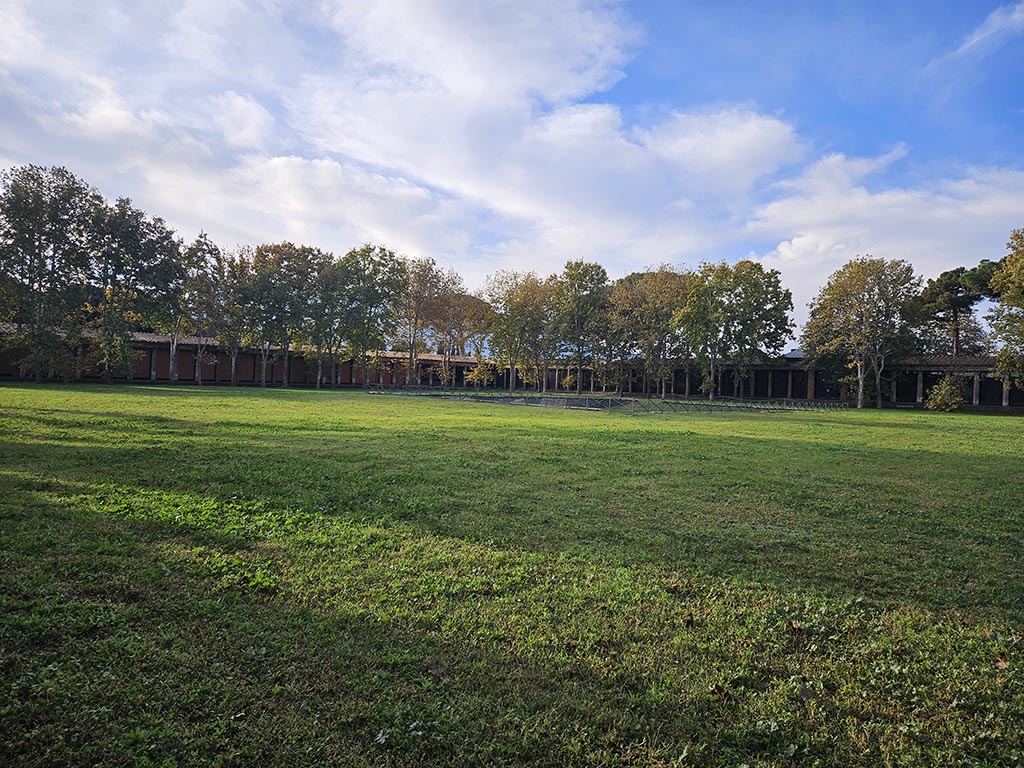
x=612 y=403
x=298 y=577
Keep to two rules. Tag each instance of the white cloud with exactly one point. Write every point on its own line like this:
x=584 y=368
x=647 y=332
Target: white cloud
x=729 y=149
x=827 y=216
x=243 y=120
x=479 y=133
x=1003 y=22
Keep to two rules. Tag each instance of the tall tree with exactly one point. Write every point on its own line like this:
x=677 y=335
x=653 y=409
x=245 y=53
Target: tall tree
x=451 y=317
x=328 y=314
x=646 y=305
x=948 y=301
x=231 y=320
x=865 y=316
x=1007 y=318
x=519 y=301
x=47 y=235
x=267 y=307
x=135 y=257
x=280 y=297
x=376 y=280
x=202 y=296
x=580 y=294
x=735 y=314
x=423 y=283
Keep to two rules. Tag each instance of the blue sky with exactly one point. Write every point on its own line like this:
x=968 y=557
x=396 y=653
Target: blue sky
x=520 y=134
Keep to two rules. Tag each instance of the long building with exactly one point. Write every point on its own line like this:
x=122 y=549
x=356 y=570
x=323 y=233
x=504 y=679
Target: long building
x=905 y=384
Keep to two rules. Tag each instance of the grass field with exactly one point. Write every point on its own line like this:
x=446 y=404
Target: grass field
x=309 y=578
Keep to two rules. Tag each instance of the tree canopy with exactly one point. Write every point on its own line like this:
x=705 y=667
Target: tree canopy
x=75 y=268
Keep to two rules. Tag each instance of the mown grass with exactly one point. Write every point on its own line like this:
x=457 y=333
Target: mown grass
x=301 y=578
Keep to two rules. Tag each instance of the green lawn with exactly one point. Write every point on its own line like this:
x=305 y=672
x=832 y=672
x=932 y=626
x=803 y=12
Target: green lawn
x=307 y=578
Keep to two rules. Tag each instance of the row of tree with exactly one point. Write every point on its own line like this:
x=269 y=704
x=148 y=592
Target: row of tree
x=75 y=268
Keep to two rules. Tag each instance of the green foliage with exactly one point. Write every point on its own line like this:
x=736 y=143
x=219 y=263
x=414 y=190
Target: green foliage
x=47 y=235
x=946 y=396
x=193 y=577
x=579 y=299
x=521 y=304
x=735 y=314
x=482 y=374
x=644 y=307
x=1008 y=317
x=865 y=316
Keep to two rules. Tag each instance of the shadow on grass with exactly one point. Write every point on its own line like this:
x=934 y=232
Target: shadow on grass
x=122 y=645
x=944 y=533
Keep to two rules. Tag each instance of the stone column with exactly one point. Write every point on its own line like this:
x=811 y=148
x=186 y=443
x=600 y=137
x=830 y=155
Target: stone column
x=977 y=389
x=920 y=386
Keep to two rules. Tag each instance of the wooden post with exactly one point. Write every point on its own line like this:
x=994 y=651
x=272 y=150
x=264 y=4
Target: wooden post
x=810 y=385
x=920 y=386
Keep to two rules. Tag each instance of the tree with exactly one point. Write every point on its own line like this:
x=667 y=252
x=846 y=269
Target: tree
x=376 y=281
x=948 y=300
x=615 y=334
x=579 y=295
x=134 y=259
x=646 y=305
x=422 y=285
x=520 y=319
x=735 y=314
x=230 y=322
x=202 y=295
x=328 y=313
x=864 y=316
x=267 y=307
x=47 y=234
x=279 y=295
x=1007 y=318
x=183 y=305
x=453 y=317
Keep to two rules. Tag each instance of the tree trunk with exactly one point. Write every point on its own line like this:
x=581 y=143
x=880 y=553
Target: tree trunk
x=319 y=371
x=172 y=365
x=234 y=367
x=860 y=384
x=956 y=334
x=878 y=384
x=287 y=366
x=199 y=366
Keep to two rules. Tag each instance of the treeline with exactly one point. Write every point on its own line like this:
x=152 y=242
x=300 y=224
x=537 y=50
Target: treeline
x=79 y=275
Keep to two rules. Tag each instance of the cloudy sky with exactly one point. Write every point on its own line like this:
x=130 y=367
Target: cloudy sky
x=519 y=134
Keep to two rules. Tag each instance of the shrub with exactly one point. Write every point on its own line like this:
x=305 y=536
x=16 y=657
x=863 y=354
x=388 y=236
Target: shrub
x=946 y=396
